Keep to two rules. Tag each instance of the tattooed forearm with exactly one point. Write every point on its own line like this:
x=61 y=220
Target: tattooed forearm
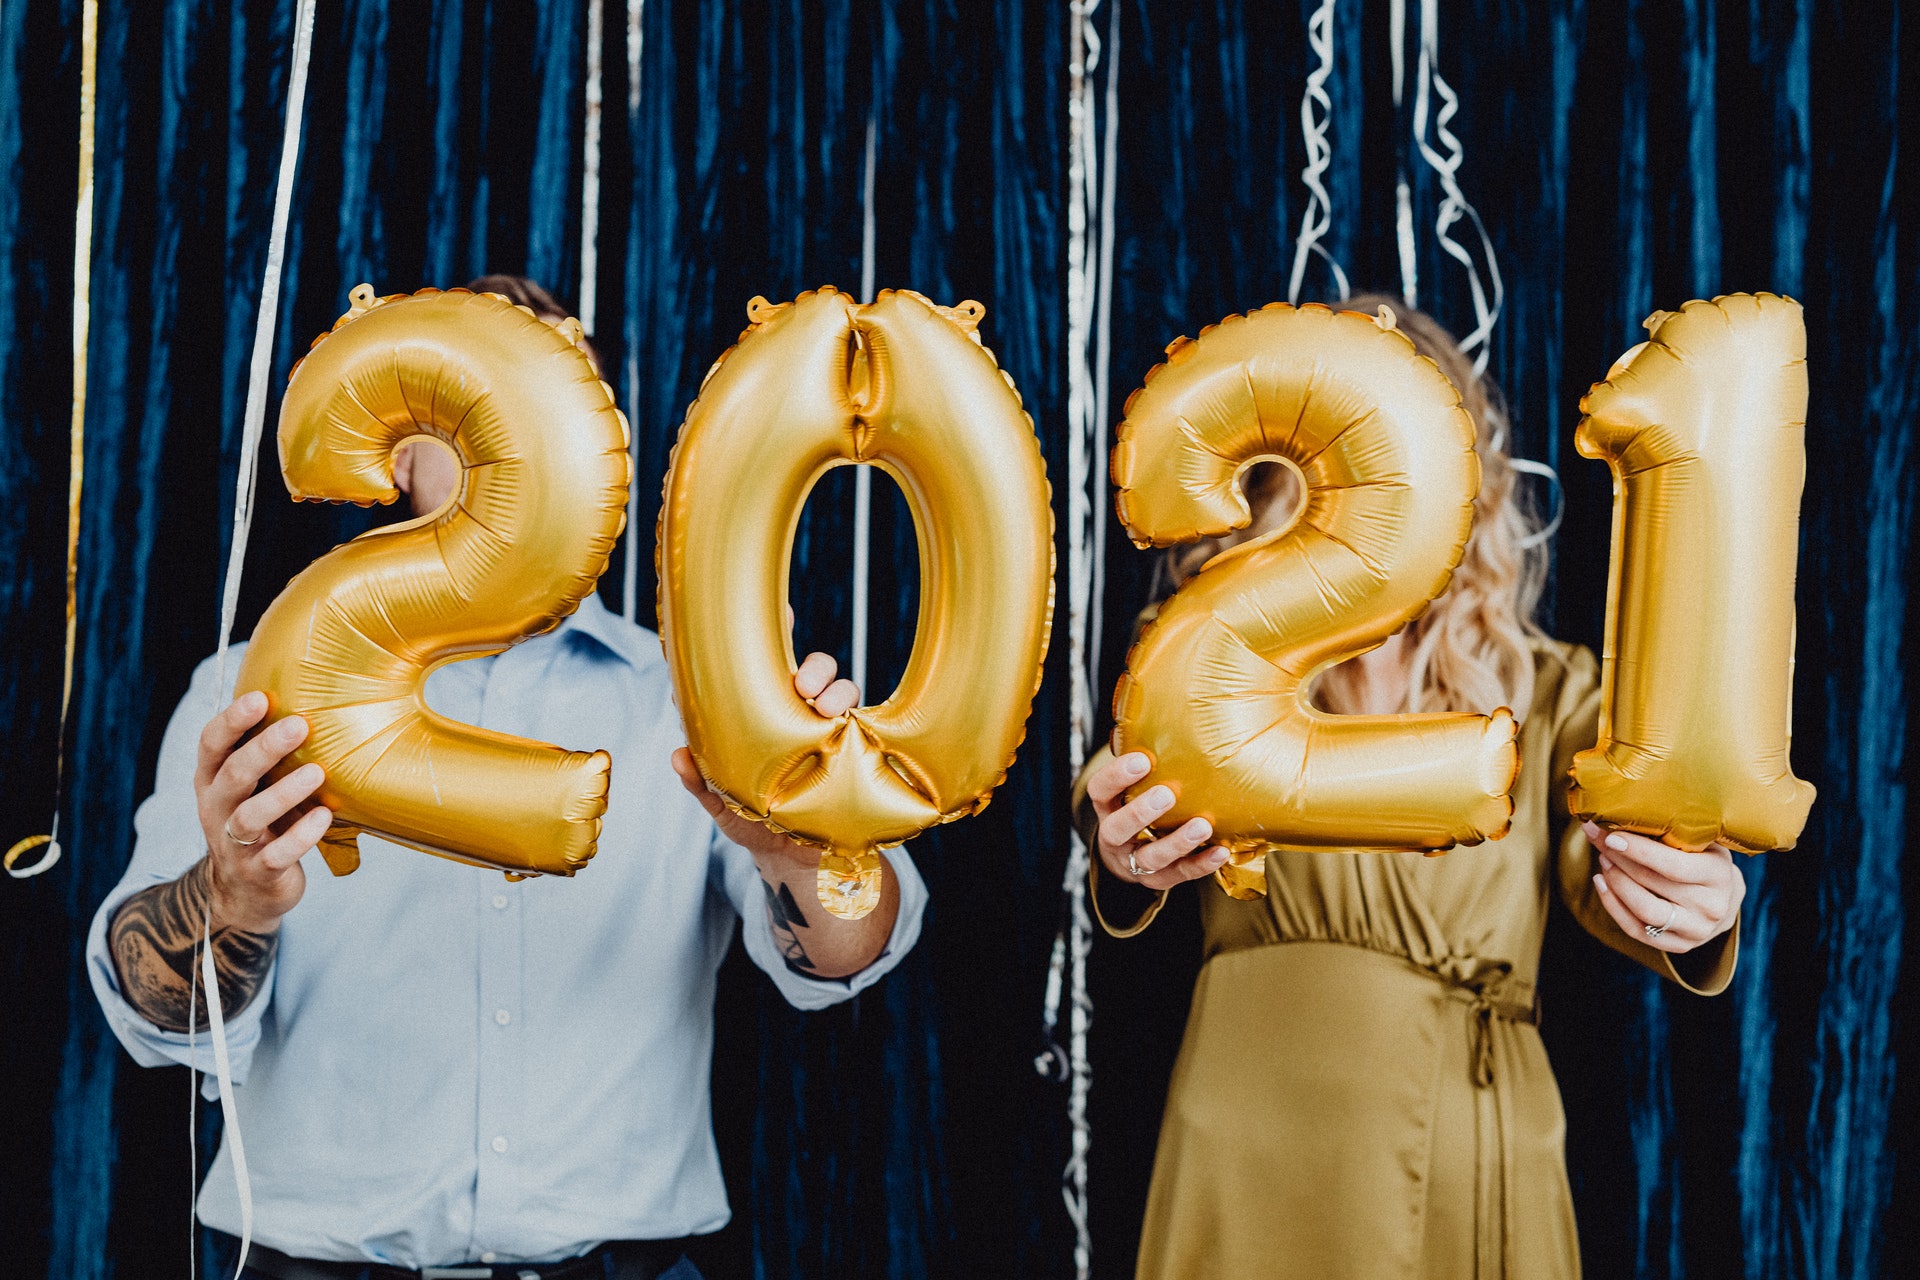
x=783 y=914
x=152 y=939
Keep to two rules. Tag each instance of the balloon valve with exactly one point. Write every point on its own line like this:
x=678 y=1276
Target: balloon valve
x=1244 y=876
x=848 y=884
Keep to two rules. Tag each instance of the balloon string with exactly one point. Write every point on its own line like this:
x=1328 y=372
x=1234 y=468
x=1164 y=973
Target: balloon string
x=77 y=452
x=1487 y=301
x=862 y=474
x=630 y=575
x=1317 y=218
x=1552 y=477
x=223 y=1074
x=256 y=411
x=590 y=176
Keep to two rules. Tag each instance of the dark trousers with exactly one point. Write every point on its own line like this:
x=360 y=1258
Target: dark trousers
x=610 y=1262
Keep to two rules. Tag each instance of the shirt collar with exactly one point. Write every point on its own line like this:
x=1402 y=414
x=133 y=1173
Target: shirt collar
x=594 y=621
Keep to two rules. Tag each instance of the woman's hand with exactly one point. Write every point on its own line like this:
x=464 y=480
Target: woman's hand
x=1668 y=898
x=1158 y=864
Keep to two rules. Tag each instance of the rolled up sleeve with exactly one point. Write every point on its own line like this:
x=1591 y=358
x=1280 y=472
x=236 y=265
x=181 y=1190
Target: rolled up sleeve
x=167 y=841
x=740 y=878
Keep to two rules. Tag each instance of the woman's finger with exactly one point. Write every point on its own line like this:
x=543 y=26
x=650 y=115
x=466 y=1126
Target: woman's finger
x=1119 y=828
x=257 y=816
x=1631 y=924
x=225 y=729
x=1678 y=865
x=814 y=675
x=1116 y=776
x=1157 y=855
x=1675 y=920
x=1191 y=867
x=1701 y=898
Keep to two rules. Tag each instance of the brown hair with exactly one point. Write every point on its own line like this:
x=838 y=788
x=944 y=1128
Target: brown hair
x=1472 y=650
x=531 y=294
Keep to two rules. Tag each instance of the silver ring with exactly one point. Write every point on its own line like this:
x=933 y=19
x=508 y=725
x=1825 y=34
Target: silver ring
x=236 y=839
x=1673 y=909
x=1135 y=867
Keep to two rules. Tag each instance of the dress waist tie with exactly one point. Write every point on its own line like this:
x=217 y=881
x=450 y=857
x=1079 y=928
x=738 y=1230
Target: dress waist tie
x=1488 y=991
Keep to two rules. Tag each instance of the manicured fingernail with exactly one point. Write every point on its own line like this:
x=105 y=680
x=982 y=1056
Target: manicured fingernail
x=1600 y=883
x=252 y=703
x=1617 y=842
x=1606 y=863
x=1136 y=764
x=1159 y=798
x=1197 y=829
x=290 y=728
x=309 y=775
x=1217 y=857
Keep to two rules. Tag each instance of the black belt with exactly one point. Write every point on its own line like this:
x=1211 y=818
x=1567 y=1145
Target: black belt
x=620 y=1260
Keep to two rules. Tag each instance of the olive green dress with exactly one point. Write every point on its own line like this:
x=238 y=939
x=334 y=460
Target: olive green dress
x=1362 y=1091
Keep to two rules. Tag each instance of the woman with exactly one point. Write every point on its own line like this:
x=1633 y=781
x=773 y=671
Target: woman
x=1361 y=1090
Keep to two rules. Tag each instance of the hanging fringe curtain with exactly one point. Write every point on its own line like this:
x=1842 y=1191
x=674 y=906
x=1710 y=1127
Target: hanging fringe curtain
x=630 y=570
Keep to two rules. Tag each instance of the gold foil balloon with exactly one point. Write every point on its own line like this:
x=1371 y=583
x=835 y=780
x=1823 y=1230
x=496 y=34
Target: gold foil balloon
x=1214 y=688
x=349 y=642
x=1704 y=426
x=818 y=383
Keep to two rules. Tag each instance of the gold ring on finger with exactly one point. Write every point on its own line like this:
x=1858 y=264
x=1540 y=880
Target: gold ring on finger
x=228 y=828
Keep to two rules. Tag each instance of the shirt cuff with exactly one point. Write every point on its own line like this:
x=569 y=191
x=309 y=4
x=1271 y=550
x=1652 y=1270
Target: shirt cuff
x=149 y=1045
x=809 y=993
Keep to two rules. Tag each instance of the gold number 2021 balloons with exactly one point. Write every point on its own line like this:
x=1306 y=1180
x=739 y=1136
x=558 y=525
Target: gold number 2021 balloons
x=817 y=383
x=1214 y=686
x=1704 y=426
x=349 y=642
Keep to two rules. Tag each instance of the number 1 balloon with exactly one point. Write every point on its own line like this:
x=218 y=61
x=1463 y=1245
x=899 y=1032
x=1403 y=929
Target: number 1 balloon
x=1704 y=426
x=349 y=642
x=818 y=383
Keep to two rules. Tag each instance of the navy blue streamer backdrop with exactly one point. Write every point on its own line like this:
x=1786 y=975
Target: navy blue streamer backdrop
x=1625 y=155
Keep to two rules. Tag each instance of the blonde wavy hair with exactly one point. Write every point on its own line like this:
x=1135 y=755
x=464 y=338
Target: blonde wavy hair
x=1472 y=650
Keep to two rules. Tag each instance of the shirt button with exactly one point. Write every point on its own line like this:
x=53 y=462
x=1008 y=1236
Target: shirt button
x=488 y=1257
x=500 y=1145
x=499 y=902
x=502 y=1017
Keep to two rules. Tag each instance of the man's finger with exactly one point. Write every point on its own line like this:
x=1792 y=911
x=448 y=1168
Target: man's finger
x=225 y=729
x=837 y=698
x=1116 y=776
x=690 y=778
x=814 y=675
x=298 y=840
x=1121 y=826
x=257 y=816
x=1191 y=867
x=244 y=768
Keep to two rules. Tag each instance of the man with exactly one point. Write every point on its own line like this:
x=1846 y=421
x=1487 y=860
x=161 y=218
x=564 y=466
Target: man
x=446 y=1073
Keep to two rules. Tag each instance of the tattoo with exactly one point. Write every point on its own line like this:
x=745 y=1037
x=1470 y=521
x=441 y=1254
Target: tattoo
x=152 y=938
x=784 y=915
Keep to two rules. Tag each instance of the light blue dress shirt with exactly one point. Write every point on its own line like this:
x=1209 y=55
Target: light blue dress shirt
x=445 y=1066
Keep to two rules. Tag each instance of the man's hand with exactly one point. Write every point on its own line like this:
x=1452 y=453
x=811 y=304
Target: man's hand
x=255 y=842
x=1668 y=898
x=814 y=942
x=250 y=877
x=1162 y=863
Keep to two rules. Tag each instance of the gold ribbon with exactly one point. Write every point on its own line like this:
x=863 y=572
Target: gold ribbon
x=82 y=317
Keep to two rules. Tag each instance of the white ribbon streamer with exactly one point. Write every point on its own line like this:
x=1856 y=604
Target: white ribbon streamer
x=1455 y=206
x=863 y=474
x=1317 y=218
x=630 y=571
x=253 y=423
x=590 y=178
x=1552 y=477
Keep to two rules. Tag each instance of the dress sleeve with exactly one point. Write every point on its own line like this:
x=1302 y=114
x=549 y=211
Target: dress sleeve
x=167 y=841
x=1708 y=968
x=1142 y=903
x=731 y=870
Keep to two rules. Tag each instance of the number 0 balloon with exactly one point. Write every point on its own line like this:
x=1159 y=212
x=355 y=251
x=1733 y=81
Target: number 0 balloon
x=818 y=383
x=1215 y=687
x=349 y=642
